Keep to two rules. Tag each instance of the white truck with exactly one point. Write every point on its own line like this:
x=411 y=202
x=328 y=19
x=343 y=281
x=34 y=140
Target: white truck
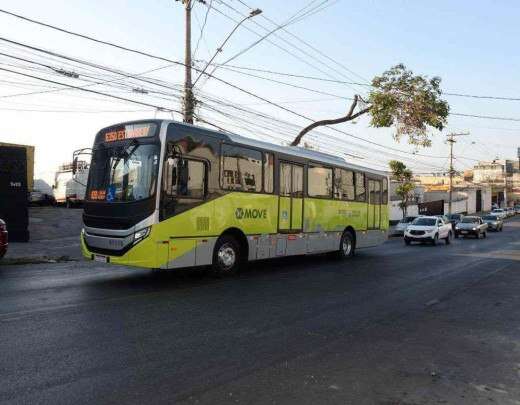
x=69 y=188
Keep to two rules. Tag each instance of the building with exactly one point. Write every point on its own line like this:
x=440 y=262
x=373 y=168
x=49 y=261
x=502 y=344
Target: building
x=503 y=176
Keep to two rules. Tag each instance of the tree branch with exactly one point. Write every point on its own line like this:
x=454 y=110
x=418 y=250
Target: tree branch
x=349 y=117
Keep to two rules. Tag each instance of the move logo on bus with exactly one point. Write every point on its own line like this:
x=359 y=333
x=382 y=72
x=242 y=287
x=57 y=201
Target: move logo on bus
x=248 y=213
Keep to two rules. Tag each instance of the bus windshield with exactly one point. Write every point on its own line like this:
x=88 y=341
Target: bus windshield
x=126 y=172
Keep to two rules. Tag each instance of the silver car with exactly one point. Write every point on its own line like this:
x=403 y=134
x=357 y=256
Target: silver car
x=471 y=226
x=494 y=222
x=402 y=225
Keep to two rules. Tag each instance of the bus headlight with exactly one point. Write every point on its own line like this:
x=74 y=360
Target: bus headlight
x=141 y=234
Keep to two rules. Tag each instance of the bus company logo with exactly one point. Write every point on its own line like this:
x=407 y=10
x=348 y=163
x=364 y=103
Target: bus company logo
x=248 y=213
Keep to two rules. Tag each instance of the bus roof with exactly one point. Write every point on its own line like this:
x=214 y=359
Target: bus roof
x=310 y=154
x=296 y=151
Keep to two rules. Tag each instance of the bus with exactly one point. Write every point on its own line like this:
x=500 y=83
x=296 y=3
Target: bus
x=165 y=195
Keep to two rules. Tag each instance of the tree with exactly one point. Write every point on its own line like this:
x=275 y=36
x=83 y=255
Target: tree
x=404 y=177
x=398 y=97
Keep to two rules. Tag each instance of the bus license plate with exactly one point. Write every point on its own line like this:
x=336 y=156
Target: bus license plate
x=100 y=258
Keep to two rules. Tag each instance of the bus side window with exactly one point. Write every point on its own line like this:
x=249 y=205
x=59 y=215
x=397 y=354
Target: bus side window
x=385 y=191
x=360 y=187
x=268 y=172
x=185 y=178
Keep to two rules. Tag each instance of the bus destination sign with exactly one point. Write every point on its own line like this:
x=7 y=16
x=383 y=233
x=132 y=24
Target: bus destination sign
x=129 y=132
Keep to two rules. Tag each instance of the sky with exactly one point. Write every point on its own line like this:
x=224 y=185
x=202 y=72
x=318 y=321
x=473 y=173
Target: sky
x=471 y=45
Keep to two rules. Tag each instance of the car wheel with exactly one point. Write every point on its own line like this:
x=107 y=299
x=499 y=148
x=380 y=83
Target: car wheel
x=484 y=234
x=226 y=256
x=456 y=235
x=448 y=239
x=347 y=246
x=407 y=241
x=435 y=239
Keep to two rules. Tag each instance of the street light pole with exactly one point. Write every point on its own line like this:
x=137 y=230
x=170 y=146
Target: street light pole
x=451 y=140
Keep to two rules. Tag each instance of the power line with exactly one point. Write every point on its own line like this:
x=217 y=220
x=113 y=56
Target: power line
x=489 y=117
x=202 y=28
x=92 y=91
x=309 y=56
x=269 y=33
x=357 y=83
x=176 y=63
x=316 y=50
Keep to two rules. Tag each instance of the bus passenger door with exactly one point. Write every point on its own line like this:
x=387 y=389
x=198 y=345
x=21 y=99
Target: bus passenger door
x=290 y=211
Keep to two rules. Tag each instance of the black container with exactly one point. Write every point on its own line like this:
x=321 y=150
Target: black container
x=13 y=192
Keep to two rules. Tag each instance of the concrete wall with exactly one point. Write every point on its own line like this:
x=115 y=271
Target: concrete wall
x=396 y=213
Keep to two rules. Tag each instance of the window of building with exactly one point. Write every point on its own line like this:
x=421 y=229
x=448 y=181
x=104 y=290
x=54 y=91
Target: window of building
x=268 y=172
x=319 y=182
x=241 y=169
x=360 y=187
x=344 y=184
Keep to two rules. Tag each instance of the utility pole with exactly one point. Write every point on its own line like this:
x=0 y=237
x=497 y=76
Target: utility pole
x=188 y=99
x=451 y=140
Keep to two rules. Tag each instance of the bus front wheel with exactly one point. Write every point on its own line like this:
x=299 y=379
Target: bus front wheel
x=347 y=245
x=226 y=256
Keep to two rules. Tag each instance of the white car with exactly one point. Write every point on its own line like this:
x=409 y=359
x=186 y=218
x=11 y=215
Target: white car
x=499 y=212
x=428 y=229
x=402 y=225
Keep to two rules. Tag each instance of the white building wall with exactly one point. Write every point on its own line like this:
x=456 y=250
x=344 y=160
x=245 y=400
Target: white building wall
x=486 y=198
x=396 y=214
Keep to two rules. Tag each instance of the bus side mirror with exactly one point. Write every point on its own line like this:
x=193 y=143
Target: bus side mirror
x=75 y=165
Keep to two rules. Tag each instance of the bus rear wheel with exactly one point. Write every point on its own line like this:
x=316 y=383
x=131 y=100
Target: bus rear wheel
x=347 y=245
x=226 y=256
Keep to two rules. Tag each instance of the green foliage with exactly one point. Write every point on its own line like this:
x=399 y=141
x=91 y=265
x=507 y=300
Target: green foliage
x=404 y=177
x=411 y=103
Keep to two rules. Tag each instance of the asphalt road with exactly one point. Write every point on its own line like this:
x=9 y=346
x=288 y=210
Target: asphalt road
x=394 y=325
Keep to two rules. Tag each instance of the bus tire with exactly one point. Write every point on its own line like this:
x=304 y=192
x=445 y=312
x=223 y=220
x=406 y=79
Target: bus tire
x=347 y=245
x=226 y=256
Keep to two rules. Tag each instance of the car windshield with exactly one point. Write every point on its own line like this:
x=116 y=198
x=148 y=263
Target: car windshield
x=407 y=220
x=469 y=220
x=489 y=218
x=123 y=173
x=424 y=221
x=454 y=216
x=498 y=210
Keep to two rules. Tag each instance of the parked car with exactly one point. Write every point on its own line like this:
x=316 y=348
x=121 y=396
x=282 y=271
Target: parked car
x=3 y=239
x=428 y=229
x=471 y=226
x=517 y=209
x=494 y=222
x=510 y=211
x=499 y=212
x=454 y=219
x=402 y=225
